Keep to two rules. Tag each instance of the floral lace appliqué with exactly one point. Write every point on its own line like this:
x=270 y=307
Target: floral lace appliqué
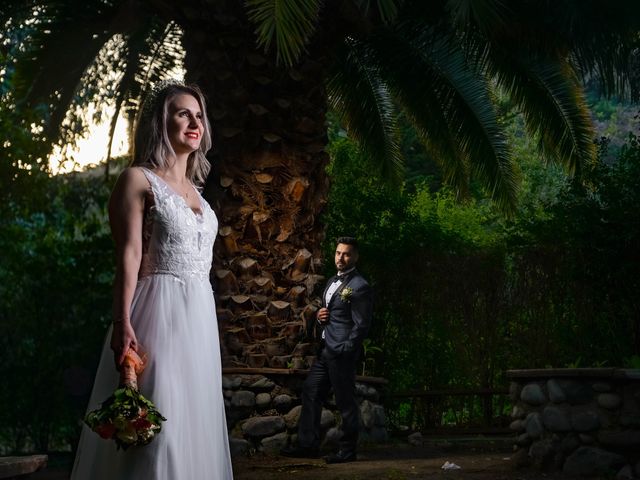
x=178 y=240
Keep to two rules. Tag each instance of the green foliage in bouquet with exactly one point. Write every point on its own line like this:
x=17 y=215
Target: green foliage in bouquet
x=127 y=417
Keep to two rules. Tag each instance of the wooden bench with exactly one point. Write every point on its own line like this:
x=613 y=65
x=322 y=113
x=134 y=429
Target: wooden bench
x=21 y=467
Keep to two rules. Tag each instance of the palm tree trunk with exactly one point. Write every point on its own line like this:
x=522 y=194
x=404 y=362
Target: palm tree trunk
x=268 y=186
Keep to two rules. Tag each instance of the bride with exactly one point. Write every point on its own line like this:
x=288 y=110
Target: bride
x=163 y=301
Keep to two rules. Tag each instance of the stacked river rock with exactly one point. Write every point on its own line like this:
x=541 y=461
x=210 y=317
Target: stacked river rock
x=262 y=415
x=584 y=422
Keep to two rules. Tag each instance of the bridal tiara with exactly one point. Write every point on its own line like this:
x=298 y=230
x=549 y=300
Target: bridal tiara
x=154 y=94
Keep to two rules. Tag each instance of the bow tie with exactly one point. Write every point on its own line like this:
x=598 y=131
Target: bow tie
x=342 y=277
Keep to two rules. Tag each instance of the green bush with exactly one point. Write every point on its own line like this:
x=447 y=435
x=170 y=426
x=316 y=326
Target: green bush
x=55 y=288
x=463 y=294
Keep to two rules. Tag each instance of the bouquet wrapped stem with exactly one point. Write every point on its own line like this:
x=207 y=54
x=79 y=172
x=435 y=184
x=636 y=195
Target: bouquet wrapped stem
x=127 y=417
x=132 y=366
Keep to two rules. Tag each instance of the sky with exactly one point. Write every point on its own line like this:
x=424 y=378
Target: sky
x=91 y=150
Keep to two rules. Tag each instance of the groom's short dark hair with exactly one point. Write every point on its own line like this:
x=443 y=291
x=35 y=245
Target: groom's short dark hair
x=348 y=241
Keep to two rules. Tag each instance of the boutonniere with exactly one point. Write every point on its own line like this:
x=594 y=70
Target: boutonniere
x=345 y=294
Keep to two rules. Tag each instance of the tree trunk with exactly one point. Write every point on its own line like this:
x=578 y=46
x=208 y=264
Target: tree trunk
x=268 y=185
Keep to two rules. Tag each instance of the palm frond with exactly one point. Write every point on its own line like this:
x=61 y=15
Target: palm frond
x=356 y=91
x=47 y=56
x=116 y=59
x=600 y=36
x=387 y=9
x=595 y=36
x=16 y=11
x=123 y=72
x=412 y=84
x=552 y=102
x=159 y=55
x=287 y=23
x=485 y=15
x=452 y=107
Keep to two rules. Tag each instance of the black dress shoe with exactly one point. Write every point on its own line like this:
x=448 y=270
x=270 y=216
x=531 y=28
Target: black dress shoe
x=341 y=457
x=300 y=452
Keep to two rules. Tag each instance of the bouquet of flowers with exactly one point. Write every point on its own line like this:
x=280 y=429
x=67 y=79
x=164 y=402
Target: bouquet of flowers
x=126 y=416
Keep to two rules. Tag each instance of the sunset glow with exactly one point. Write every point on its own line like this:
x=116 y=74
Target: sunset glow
x=91 y=150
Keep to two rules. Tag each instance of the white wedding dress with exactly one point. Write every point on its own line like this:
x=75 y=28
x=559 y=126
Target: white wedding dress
x=173 y=316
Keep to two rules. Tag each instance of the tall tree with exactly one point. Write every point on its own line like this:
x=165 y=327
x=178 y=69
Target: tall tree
x=271 y=68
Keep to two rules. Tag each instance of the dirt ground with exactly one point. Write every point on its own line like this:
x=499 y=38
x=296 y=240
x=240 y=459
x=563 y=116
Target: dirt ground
x=392 y=462
x=397 y=461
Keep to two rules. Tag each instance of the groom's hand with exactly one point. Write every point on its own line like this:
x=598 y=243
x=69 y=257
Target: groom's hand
x=323 y=316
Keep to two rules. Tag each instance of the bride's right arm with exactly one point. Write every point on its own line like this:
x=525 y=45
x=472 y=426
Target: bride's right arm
x=126 y=209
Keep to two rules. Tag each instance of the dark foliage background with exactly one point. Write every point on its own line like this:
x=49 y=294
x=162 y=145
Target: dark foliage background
x=462 y=293
x=55 y=283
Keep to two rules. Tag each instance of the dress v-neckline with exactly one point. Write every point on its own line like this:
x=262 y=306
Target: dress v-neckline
x=199 y=212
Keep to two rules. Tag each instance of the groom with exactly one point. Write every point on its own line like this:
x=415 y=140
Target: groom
x=344 y=319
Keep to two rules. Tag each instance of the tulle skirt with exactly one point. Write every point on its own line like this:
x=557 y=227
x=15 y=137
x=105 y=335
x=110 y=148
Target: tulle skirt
x=175 y=323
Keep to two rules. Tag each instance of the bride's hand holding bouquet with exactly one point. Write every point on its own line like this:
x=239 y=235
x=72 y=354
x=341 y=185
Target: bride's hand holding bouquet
x=123 y=338
x=127 y=417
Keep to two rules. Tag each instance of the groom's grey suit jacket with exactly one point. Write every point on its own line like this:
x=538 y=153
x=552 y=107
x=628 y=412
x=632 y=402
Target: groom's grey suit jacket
x=349 y=318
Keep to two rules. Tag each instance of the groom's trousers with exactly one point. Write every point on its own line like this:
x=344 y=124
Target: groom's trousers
x=337 y=371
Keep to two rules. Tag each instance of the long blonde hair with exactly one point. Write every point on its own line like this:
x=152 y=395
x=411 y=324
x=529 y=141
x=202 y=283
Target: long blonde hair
x=152 y=147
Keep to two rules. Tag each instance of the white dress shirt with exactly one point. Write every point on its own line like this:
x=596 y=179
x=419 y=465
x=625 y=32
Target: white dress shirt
x=333 y=288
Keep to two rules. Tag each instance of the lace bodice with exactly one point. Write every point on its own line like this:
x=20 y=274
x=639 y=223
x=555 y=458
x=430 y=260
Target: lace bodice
x=176 y=240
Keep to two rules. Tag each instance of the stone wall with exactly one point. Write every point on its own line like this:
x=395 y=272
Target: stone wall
x=263 y=411
x=585 y=422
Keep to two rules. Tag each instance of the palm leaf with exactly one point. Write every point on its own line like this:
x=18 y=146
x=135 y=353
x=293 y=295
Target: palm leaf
x=485 y=15
x=594 y=36
x=552 y=102
x=56 y=96
x=410 y=82
x=118 y=60
x=452 y=107
x=158 y=53
x=48 y=46
x=144 y=55
x=387 y=9
x=147 y=55
x=356 y=91
x=600 y=36
x=287 y=23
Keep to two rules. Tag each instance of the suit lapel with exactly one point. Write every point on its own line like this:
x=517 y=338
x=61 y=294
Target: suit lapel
x=324 y=294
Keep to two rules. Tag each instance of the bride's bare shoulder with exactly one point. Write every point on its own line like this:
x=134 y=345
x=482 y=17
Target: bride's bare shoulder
x=133 y=174
x=132 y=177
x=132 y=182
